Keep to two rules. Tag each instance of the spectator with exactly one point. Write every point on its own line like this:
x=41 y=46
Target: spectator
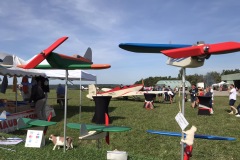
x=232 y=99
x=209 y=94
x=38 y=97
x=60 y=95
x=193 y=93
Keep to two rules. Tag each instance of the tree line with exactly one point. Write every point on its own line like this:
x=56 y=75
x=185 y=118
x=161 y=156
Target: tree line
x=209 y=78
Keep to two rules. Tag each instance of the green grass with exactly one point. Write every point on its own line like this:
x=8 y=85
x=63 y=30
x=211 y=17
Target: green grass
x=139 y=144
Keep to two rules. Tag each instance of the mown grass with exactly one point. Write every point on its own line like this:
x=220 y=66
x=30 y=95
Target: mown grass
x=139 y=144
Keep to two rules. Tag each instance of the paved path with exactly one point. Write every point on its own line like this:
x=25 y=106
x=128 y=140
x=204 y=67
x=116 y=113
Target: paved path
x=222 y=93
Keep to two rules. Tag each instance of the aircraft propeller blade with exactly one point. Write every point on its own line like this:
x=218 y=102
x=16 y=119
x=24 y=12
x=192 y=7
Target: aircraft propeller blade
x=43 y=55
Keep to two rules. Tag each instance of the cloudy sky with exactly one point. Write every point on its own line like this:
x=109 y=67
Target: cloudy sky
x=28 y=27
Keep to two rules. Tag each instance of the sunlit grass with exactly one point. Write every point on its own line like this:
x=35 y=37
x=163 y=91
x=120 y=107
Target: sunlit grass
x=139 y=144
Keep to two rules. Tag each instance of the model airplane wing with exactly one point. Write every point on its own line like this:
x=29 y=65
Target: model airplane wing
x=27 y=123
x=178 y=134
x=150 y=48
x=45 y=53
x=205 y=49
x=99 y=128
x=182 y=50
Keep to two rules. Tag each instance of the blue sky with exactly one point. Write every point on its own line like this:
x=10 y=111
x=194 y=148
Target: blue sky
x=28 y=27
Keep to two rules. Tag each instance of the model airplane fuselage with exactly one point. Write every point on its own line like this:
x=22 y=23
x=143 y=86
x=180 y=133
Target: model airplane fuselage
x=131 y=90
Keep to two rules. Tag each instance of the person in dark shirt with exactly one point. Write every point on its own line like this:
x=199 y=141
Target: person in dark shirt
x=38 y=97
x=209 y=94
x=193 y=93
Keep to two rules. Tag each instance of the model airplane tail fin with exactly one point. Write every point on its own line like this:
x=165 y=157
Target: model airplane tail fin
x=83 y=130
x=3 y=115
x=21 y=124
x=92 y=91
x=88 y=54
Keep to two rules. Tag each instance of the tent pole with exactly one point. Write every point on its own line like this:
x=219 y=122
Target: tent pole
x=183 y=106
x=80 y=107
x=65 y=109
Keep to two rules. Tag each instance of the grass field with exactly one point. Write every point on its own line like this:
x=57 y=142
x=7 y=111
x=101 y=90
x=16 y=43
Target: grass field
x=139 y=144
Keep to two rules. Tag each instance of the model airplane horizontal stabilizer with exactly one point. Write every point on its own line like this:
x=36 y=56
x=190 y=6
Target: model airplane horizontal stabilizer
x=45 y=53
x=150 y=48
x=205 y=49
x=99 y=128
x=23 y=123
x=178 y=134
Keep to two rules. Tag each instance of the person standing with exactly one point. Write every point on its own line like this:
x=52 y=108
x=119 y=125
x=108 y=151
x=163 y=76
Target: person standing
x=60 y=95
x=210 y=94
x=193 y=93
x=232 y=99
x=38 y=97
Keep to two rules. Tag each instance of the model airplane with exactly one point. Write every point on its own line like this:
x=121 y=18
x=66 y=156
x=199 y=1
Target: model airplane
x=61 y=61
x=23 y=123
x=124 y=91
x=178 y=134
x=188 y=56
x=95 y=132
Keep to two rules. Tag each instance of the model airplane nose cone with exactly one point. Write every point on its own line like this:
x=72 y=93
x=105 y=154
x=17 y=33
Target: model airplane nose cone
x=100 y=66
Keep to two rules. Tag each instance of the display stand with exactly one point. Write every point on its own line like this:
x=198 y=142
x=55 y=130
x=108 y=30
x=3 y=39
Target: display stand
x=101 y=107
x=149 y=99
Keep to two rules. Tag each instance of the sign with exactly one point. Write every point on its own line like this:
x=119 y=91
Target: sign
x=181 y=120
x=10 y=124
x=35 y=139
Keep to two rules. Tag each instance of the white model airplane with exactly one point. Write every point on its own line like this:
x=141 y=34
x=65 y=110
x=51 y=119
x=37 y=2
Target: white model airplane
x=124 y=91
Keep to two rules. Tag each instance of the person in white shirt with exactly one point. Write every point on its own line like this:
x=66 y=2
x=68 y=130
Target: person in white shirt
x=232 y=99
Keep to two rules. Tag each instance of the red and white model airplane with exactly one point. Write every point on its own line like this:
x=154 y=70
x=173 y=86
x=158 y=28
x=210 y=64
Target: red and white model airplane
x=181 y=55
x=124 y=91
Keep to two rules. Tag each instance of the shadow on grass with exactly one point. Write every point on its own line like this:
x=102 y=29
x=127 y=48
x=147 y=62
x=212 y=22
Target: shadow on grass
x=114 y=118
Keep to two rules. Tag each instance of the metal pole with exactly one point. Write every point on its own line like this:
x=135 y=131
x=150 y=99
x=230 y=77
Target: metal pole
x=65 y=109
x=183 y=106
x=80 y=107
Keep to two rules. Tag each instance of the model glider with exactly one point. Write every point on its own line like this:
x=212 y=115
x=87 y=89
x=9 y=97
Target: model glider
x=23 y=123
x=188 y=56
x=178 y=134
x=96 y=132
x=124 y=91
x=62 y=61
